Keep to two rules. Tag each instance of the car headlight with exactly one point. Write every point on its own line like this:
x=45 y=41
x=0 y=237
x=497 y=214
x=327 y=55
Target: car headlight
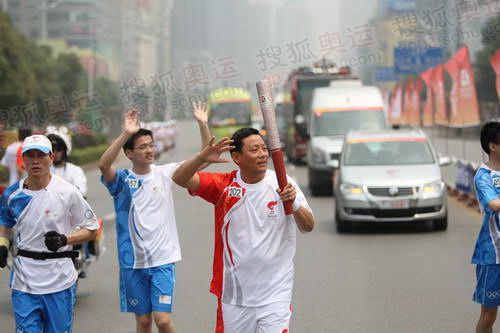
x=347 y=188
x=318 y=156
x=435 y=187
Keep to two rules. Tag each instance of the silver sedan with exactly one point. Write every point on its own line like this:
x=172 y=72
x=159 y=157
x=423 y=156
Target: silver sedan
x=389 y=176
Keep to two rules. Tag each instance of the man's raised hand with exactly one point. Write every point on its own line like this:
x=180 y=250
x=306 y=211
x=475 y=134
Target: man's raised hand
x=131 y=124
x=200 y=112
x=211 y=154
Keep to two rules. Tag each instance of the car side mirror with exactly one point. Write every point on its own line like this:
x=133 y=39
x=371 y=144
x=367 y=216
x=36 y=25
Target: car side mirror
x=444 y=160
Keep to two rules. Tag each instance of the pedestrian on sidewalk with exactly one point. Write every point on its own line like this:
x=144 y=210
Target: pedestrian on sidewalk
x=254 y=239
x=51 y=215
x=486 y=255
x=148 y=244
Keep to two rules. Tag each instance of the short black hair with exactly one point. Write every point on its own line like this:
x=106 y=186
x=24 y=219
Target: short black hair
x=241 y=134
x=23 y=133
x=130 y=142
x=490 y=133
x=58 y=142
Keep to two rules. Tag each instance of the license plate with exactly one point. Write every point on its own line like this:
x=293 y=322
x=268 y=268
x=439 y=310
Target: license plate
x=394 y=204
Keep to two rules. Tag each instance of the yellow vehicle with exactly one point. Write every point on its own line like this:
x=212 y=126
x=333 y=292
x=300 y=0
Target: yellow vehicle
x=229 y=109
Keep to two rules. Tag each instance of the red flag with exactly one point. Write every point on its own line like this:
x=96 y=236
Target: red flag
x=408 y=104
x=416 y=101
x=495 y=62
x=396 y=107
x=463 y=98
x=412 y=103
x=437 y=86
x=428 y=111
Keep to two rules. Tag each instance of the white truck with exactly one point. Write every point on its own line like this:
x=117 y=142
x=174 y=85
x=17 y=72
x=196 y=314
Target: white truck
x=335 y=110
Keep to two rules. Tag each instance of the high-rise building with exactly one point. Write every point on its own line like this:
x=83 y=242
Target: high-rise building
x=132 y=35
x=355 y=16
x=204 y=32
x=189 y=33
x=293 y=22
x=69 y=20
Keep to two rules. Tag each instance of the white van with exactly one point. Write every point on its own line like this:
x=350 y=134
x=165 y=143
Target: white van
x=335 y=111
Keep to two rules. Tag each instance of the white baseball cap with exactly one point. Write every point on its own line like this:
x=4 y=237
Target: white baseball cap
x=40 y=142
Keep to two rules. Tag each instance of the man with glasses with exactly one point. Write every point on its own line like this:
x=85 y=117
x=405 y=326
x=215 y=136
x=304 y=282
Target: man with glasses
x=148 y=244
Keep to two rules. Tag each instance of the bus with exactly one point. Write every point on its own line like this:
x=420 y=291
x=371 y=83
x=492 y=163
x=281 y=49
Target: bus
x=229 y=109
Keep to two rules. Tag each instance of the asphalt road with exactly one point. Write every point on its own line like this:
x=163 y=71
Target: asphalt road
x=380 y=278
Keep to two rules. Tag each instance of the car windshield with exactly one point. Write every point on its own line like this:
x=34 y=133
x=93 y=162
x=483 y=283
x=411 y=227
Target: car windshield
x=415 y=151
x=338 y=123
x=233 y=113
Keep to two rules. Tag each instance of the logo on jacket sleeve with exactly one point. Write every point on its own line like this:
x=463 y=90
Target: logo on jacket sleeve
x=271 y=209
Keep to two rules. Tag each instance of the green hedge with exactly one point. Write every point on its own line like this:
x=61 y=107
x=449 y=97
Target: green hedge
x=87 y=155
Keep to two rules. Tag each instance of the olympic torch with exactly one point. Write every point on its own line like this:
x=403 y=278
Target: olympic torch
x=269 y=115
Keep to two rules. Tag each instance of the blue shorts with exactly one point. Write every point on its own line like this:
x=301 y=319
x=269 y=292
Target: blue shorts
x=487 y=290
x=48 y=313
x=143 y=291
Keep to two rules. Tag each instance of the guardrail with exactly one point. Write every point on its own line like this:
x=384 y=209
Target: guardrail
x=459 y=179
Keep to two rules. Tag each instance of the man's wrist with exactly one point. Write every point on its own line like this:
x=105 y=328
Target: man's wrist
x=296 y=205
x=4 y=242
x=127 y=135
x=199 y=158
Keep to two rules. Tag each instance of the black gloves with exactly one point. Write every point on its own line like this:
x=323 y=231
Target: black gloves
x=55 y=240
x=4 y=253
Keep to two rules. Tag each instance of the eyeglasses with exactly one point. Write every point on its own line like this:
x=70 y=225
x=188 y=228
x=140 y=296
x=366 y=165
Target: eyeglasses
x=145 y=146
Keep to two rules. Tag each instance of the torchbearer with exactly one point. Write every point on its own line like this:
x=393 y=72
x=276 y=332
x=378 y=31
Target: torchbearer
x=254 y=238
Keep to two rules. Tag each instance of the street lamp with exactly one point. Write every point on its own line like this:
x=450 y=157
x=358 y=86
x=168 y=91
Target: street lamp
x=44 y=7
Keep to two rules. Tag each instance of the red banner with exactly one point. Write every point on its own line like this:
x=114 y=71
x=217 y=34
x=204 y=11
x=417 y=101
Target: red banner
x=437 y=86
x=463 y=98
x=416 y=101
x=495 y=62
x=412 y=103
x=428 y=112
x=407 y=106
x=395 y=110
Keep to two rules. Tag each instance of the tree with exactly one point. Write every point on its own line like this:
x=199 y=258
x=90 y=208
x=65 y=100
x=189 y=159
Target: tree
x=108 y=92
x=485 y=74
x=18 y=83
x=71 y=75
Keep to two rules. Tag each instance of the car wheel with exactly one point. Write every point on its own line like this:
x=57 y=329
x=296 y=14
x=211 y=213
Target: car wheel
x=342 y=225
x=440 y=224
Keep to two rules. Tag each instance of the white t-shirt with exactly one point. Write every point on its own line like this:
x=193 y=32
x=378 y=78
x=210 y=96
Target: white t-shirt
x=72 y=174
x=9 y=160
x=58 y=207
x=255 y=240
x=145 y=217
